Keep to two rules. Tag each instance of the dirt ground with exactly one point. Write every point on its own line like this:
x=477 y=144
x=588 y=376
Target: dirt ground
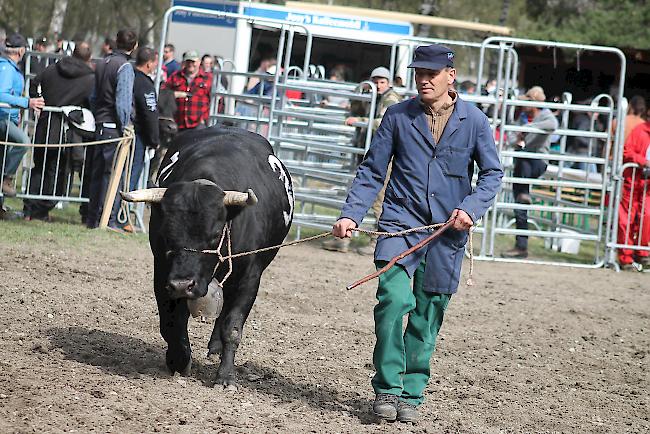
x=527 y=349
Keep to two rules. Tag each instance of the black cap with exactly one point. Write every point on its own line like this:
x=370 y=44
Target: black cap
x=433 y=57
x=16 y=40
x=40 y=41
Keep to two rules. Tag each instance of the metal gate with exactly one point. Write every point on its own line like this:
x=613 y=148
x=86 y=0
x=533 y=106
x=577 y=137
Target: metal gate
x=568 y=202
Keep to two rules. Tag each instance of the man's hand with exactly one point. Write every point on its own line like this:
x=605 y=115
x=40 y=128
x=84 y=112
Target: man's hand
x=341 y=228
x=462 y=221
x=180 y=94
x=350 y=121
x=36 y=104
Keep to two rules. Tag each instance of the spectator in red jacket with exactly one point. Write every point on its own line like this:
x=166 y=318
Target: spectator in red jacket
x=191 y=86
x=633 y=226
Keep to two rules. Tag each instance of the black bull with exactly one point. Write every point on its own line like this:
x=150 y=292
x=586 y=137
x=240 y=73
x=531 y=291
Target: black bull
x=191 y=214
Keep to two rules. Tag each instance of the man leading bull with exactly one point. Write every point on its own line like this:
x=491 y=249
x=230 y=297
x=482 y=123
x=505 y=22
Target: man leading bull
x=434 y=141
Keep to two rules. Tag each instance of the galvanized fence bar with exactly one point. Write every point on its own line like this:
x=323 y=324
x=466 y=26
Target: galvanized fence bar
x=582 y=183
x=235 y=16
x=51 y=170
x=630 y=228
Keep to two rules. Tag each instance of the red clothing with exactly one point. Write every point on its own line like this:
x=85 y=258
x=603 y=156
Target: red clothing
x=193 y=109
x=636 y=146
x=633 y=227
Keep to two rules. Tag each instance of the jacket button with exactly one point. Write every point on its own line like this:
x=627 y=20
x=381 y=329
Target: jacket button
x=433 y=195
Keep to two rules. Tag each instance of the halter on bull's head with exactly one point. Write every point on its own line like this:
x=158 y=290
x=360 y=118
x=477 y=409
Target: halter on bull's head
x=193 y=218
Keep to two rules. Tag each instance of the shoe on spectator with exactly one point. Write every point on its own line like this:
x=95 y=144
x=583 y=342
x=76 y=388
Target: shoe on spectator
x=337 y=245
x=644 y=260
x=407 y=412
x=45 y=218
x=385 y=406
x=117 y=229
x=524 y=198
x=8 y=186
x=515 y=253
x=631 y=266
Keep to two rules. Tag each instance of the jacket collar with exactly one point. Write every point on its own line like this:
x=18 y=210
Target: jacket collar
x=419 y=120
x=10 y=61
x=138 y=72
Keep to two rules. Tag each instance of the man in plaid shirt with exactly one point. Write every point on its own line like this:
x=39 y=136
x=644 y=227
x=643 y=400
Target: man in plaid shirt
x=191 y=86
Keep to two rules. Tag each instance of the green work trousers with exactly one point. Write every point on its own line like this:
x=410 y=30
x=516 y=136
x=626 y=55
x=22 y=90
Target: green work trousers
x=402 y=358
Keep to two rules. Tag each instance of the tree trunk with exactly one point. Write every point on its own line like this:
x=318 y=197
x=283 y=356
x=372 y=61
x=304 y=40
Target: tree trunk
x=430 y=8
x=58 y=15
x=505 y=9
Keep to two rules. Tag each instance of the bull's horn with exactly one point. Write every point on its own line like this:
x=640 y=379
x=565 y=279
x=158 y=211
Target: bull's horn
x=204 y=182
x=238 y=198
x=151 y=195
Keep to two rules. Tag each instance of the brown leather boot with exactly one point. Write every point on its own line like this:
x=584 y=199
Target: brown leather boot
x=8 y=186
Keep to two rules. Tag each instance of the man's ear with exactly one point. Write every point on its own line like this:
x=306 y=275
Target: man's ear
x=452 y=75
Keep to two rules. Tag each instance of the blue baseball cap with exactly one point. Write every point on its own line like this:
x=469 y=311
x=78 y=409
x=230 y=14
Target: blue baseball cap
x=434 y=57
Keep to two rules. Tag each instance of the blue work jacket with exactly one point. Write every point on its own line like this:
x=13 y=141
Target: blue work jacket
x=11 y=89
x=428 y=181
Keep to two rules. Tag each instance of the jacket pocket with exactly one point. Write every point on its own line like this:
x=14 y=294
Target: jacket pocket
x=395 y=198
x=454 y=161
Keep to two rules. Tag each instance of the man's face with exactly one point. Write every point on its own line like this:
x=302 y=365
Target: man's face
x=150 y=66
x=191 y=66
x=168 y=54
x=432 y=84
x=381 y=83
x=41 y=48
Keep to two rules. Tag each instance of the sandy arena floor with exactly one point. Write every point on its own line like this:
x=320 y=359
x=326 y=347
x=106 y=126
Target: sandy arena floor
x=527 y=349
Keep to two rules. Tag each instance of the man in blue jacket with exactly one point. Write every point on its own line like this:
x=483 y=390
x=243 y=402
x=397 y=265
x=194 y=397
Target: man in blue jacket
x=113 y=107
x=11 y=92
x=434 y=141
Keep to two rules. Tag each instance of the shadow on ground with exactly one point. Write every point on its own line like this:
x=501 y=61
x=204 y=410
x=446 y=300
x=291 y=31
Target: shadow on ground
x=132 y=358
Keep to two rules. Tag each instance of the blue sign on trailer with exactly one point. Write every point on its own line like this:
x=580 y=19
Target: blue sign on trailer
x=206 y=20
x=309 y=19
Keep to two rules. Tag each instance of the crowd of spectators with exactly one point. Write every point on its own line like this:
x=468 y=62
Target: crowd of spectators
x=118 y=88
x=117 y=91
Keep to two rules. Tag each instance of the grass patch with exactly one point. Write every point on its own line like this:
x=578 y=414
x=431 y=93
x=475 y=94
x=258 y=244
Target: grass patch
x=537 y=250
x=69 y=213
x=65 y=230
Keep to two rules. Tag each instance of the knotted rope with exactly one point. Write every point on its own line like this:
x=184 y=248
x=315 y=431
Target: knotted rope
x=231 y=256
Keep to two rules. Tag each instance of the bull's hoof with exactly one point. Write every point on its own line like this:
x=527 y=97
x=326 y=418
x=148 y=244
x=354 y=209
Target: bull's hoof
x=184 y=372
x=214 y=349
x=225 y=380
x=187 y=370
x=179 y=363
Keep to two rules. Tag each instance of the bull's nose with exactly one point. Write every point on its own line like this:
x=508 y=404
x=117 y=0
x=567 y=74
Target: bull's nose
x=184 y=285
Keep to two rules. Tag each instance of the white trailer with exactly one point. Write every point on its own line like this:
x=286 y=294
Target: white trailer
x=359 y=42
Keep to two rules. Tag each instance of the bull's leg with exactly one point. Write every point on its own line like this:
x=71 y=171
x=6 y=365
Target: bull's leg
x=215 y=346
x=236 y=308
x=173 y=325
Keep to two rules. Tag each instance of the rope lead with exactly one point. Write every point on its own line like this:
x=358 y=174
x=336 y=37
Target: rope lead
x=230 y=257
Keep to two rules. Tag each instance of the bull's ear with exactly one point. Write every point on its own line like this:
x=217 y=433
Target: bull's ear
x=237 y=198
x=149 y=195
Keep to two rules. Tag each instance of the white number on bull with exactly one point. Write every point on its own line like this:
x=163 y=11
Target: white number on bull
x=277 y=166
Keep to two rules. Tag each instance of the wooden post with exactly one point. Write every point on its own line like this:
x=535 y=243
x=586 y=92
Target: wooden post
x=122 y=153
